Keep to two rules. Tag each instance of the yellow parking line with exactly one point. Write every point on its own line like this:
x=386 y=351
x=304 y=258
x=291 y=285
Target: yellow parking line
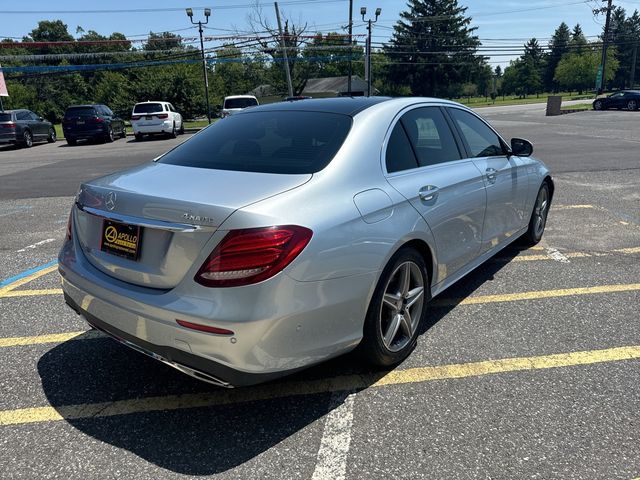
x=18 y=283
x=52 y=338
x=536 y=295
x=327 y=385
x=571 y=207
x=31 y=293
x=628 y=250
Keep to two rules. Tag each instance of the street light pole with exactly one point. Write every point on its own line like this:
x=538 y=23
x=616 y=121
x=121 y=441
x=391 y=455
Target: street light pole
x=368 y=75
x=207 y=14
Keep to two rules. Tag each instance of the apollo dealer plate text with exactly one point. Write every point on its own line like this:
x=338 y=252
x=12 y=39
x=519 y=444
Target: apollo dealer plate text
x=121 y=239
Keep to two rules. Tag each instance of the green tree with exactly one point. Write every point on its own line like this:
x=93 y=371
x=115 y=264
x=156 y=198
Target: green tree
x=577 y=71
x=559 y=46
x=433 y=50
x=578 y=41
x=327 y=56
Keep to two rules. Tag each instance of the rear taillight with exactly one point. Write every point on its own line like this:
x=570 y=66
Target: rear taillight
x=135 y=117
x=249 y=256
x=96 y=120
x=163 y=115
x=8 y=125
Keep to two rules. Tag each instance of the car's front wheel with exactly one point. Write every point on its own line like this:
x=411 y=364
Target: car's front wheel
x=139 y=137
x=598 y=105
x=632 y=105
x=27 y=139
x=397 y=310
x=123 y=133
x=538 y=220
x=52 y=135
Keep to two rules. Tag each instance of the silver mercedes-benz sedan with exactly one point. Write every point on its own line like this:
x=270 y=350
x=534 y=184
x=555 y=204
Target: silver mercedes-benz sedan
x=295 y=232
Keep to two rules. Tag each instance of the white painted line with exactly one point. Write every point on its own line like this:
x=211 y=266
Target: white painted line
x=336 y=438
x=554 y=254
x=35 y=245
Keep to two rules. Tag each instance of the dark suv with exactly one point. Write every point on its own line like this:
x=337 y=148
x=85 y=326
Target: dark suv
x=23 y=127
x=91 y=122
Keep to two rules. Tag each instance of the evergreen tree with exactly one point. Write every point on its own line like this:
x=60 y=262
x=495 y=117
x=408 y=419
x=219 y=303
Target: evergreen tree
x=578 y=41
x=625 y=35
x=559 y=45
x=433 y=49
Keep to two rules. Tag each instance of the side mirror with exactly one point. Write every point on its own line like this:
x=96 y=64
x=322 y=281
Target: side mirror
x=521 y=147
x=41 y=119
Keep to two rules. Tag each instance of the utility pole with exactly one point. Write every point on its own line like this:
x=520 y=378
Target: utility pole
x=605 y=40
x=284 y=52
x=207 y=14
x=633 y=64
x=350 y=45
x=367 y=66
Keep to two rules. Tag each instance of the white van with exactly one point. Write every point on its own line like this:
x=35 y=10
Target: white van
x=235 y=103
x=157 y=117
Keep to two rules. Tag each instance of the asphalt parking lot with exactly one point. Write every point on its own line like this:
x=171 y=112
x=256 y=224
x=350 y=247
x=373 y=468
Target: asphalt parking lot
x=527 y=368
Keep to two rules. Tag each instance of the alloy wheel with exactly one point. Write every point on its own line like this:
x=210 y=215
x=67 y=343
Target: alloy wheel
x=401 y=307
x=52 y=136
x=597 y=105
x=632 y=105
x=28 y=138
x=540 y=211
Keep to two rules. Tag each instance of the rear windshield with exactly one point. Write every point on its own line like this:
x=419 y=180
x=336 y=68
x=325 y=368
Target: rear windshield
x=5 y=117
x=240 y=102
x=288 y=142
x=80 y=112
x=147 y=108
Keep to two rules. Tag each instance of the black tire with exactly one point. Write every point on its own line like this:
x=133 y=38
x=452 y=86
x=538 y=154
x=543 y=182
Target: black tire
x=181 y=131
x=632 y=105
x=123 y=133
x=383 y=314
x=27 y=139
x=174 y=132
x=538 y=220
x=139 y=137
x=72 y=141
x=52 y=135
x=110 y=136
x=598 y=105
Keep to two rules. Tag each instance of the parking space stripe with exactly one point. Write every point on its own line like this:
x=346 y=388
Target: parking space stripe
x=571 y=207
x=327 y=385
x=27 y=276
x=30 y=293
x=39 y=339
x=537 y=295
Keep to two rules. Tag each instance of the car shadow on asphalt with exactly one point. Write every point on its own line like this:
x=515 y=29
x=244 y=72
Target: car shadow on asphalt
x=201 y=440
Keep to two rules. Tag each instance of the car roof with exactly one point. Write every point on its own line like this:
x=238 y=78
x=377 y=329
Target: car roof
x=344 y=105
x=89 y=105
x=239 y=96
x=151 y=101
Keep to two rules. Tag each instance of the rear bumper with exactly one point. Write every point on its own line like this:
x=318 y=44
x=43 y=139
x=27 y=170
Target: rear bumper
x=84 y=134
x=164 y=127
x=8 y=138
x=280 y=325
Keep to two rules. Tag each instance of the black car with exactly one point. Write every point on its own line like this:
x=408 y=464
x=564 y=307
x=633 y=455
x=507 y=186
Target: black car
x=23 y=127
x=629 y=99
x=91 y=122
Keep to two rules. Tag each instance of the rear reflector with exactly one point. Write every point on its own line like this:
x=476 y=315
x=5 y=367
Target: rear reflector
x=163 y=115
x=204 y=328
x=252 y=255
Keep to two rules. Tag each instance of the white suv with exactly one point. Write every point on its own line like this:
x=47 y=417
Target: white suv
x=235 y=103
x=154 y=118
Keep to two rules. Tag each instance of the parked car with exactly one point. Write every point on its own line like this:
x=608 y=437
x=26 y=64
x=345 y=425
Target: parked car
x=23 y=127
x=629 y=99
x=236 y=103
x=151 y=118
x=294 y=232
x=92 y=122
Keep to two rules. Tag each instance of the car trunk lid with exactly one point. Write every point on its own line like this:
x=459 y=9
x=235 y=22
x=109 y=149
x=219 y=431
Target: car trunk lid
x=171 y=210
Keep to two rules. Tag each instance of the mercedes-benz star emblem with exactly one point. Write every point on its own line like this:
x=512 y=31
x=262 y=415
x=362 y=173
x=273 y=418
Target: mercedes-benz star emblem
x=110 y=201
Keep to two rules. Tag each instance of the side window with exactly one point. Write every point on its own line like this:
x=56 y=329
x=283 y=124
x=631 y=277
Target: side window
x=399 y=154
x=34 y=116
x=23 y=116
x=481 y=140
x=107 y=111
x=430 y=136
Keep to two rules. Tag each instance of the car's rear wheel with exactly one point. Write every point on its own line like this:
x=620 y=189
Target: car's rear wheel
x=539 y=215
x=52 y=135
x=181 y=131
x=71 y=141
x=27 y=139
x=397 y=310
x=110 y=136
x=598 y=105
x=632 y=105
x=139 y=137
x=174 y=132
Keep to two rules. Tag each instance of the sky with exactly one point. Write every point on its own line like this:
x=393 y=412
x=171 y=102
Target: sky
x=511 y=24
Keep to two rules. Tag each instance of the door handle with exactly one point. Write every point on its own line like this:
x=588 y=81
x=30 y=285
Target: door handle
x=492 y=174
x=427 y=193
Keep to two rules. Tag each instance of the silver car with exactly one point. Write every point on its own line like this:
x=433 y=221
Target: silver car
x=295 y=232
